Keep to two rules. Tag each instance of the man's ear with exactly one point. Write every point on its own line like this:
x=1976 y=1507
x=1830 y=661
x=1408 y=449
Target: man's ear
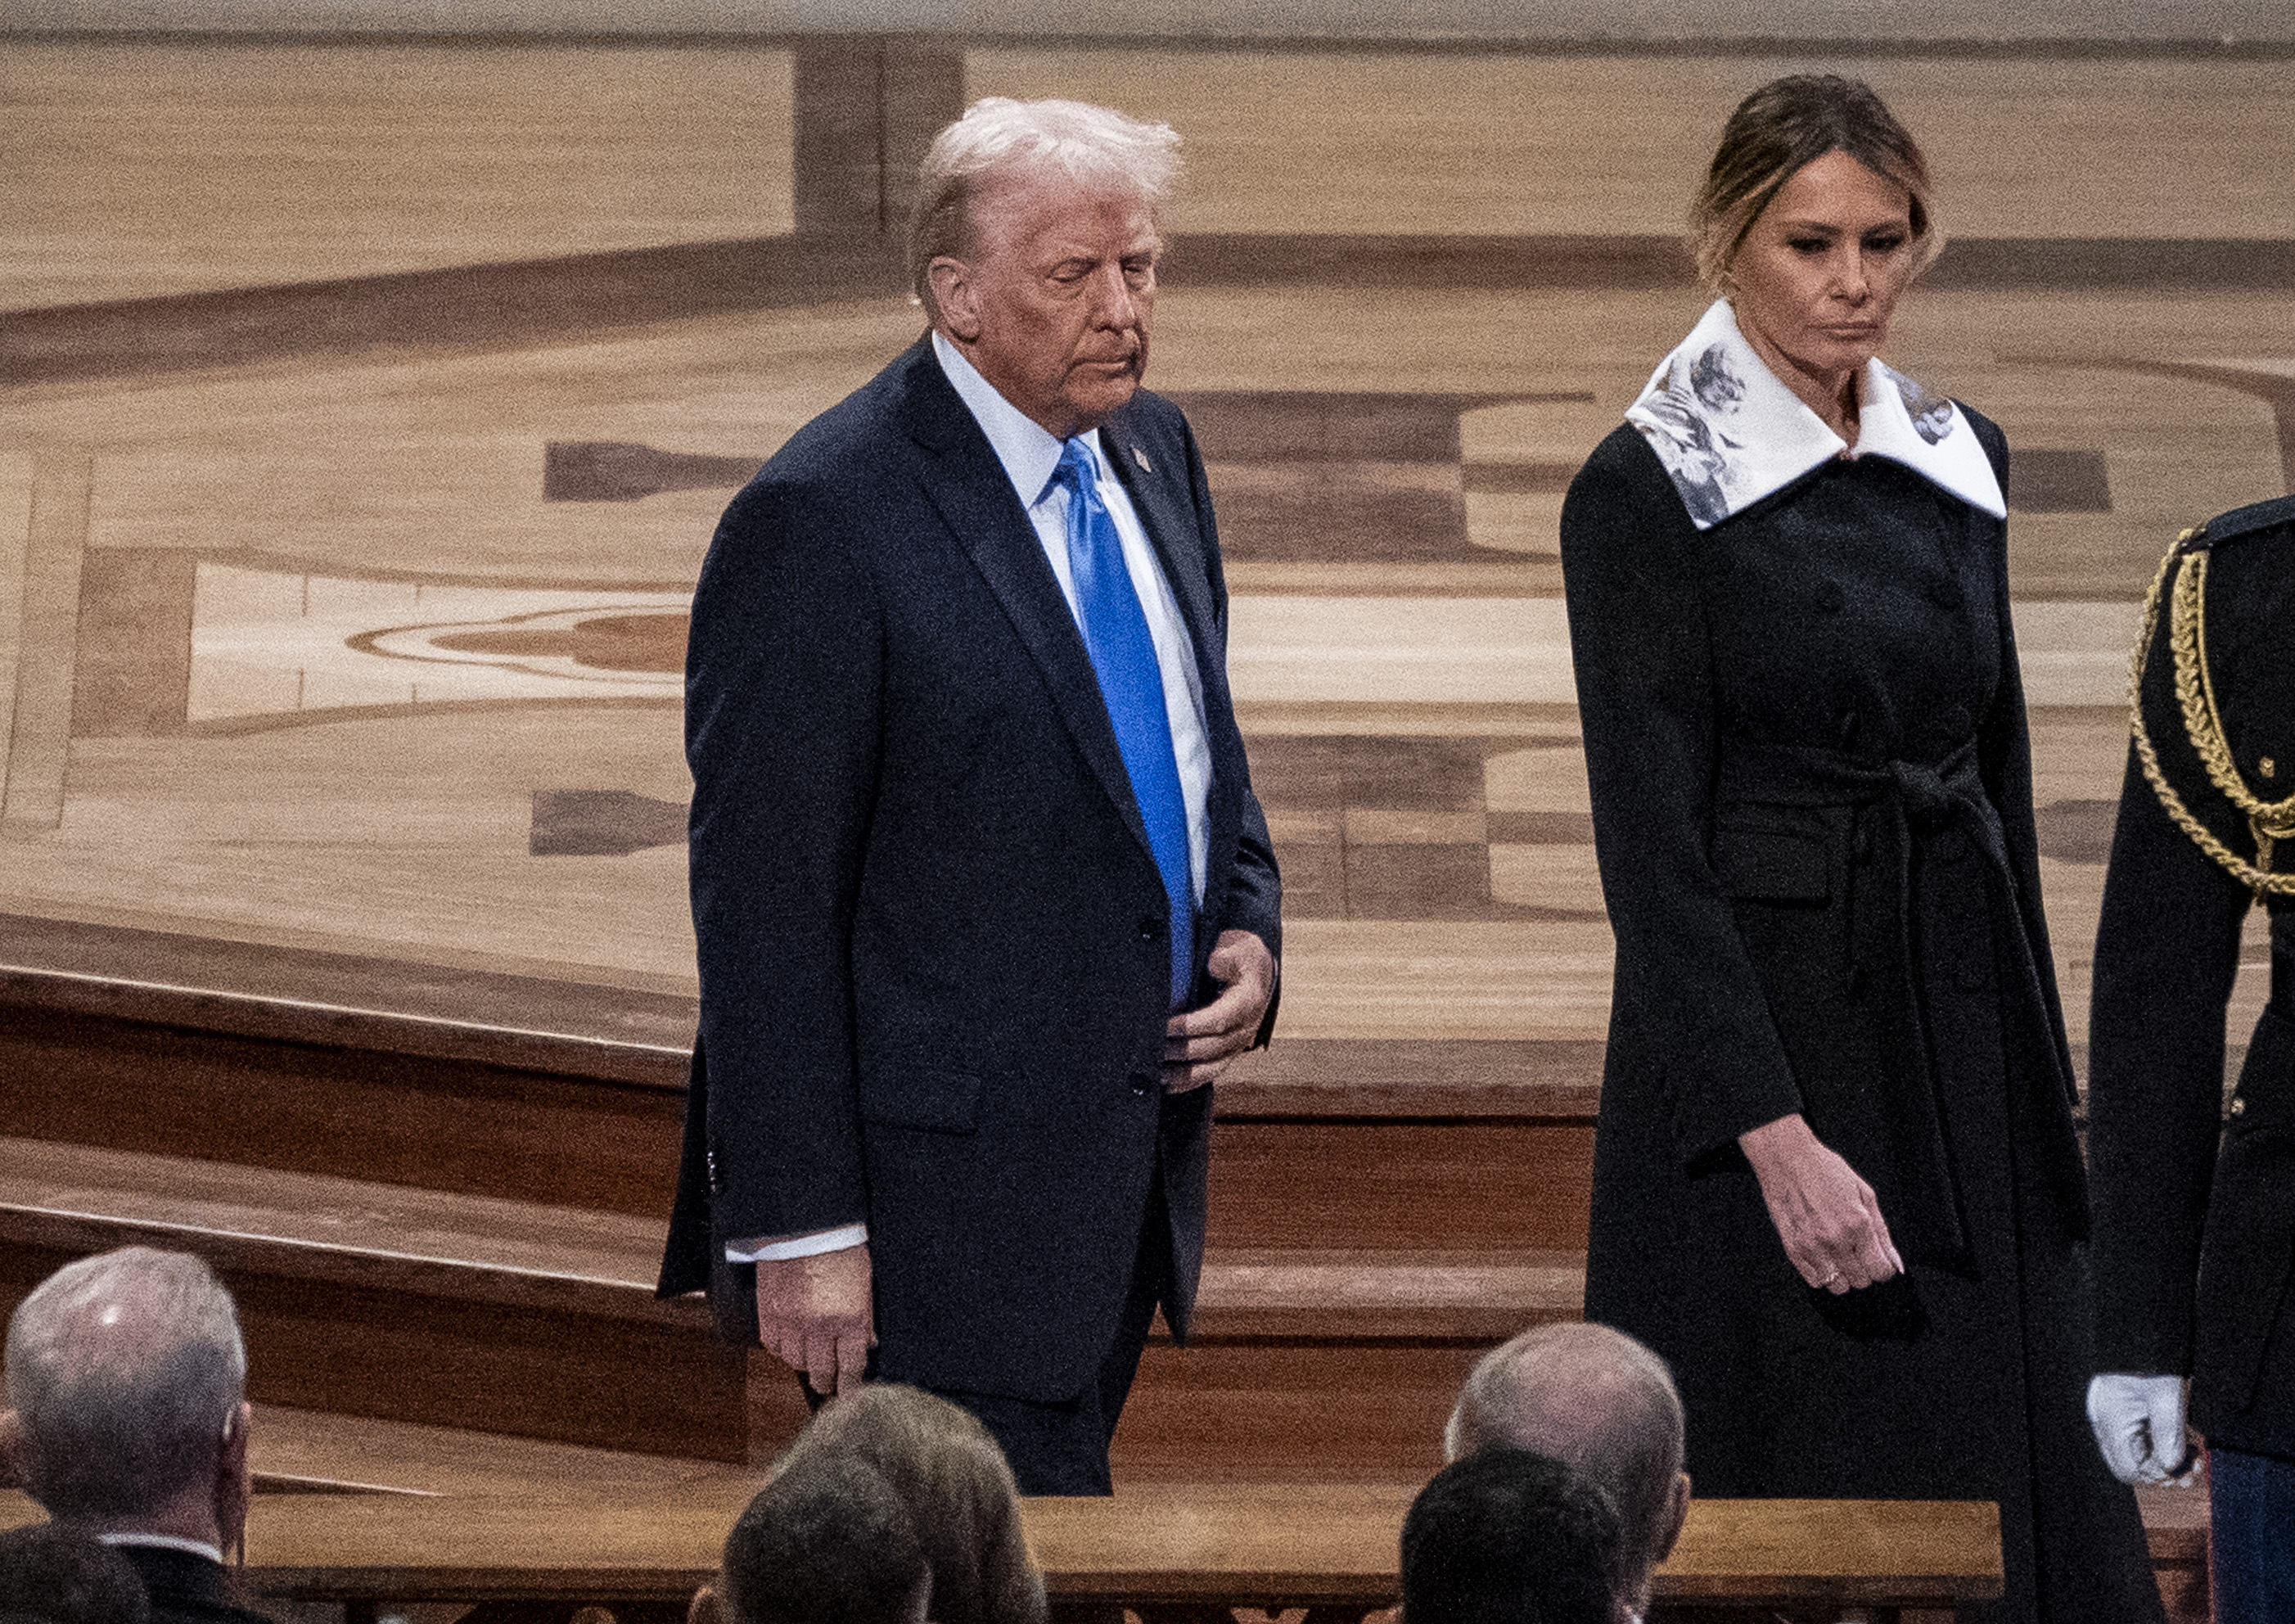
x=234 y=1484
x=955 y=295
x=11 y=1450
x=1676 y=1513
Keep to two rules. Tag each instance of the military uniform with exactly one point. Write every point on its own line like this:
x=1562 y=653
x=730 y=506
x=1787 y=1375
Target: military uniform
x=2195 y=1238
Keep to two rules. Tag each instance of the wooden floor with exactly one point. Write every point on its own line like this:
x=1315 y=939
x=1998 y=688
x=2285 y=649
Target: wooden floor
x=371 y=647
x=382 y=731
x=139 y=170
x=364 y=410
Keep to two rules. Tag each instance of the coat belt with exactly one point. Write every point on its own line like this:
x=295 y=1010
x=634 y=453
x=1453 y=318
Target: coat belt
x=1915 y=801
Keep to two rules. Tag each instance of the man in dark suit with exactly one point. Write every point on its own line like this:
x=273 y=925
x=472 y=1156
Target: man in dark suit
x=52 y=1575
x=982 y=894
x=127 y=1380
x=2195 y=1199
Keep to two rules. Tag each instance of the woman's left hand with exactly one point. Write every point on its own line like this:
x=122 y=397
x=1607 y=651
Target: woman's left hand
x=1827 y=1216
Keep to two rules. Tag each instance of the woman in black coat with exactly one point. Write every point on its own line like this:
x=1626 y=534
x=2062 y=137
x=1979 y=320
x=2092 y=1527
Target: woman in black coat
x=1836 y=1181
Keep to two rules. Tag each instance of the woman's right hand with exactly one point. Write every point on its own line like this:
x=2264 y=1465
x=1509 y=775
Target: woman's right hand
x=1825 y=1215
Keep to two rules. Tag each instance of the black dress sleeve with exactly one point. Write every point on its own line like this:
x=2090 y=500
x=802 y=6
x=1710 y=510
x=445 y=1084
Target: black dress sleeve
x=1687 y=995
x=2003 y=745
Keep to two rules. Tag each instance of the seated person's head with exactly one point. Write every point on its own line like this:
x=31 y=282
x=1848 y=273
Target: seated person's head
x=1507 y=1537
x=826 y=1541
x=1602 y=1404
x=128 y=1381
x=56 y=1576
x=949 y=1473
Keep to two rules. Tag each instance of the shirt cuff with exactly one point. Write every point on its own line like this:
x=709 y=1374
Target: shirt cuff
x=796 y=1246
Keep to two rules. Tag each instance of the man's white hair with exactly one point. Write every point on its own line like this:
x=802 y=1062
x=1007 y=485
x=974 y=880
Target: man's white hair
x=126 y=1372
x=1092 y=146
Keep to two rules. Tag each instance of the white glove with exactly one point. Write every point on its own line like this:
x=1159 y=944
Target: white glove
x=2138 y=1421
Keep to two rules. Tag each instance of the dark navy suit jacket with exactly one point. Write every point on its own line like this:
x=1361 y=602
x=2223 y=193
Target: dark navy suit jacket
x=931 y=932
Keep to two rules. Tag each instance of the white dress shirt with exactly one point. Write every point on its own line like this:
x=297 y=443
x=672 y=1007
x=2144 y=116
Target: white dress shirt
x=166 y=1542
x=1030 y=455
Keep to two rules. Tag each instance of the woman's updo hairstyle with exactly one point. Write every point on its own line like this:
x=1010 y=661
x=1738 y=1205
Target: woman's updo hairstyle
x=1780 y=129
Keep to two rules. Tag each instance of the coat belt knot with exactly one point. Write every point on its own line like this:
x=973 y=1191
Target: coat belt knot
x=1914 y=804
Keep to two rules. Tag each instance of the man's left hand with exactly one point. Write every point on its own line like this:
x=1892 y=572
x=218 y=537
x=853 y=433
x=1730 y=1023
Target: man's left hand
x=1198 y=1045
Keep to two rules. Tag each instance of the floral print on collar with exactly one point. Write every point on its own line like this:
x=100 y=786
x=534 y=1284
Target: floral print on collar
x=1730 y=433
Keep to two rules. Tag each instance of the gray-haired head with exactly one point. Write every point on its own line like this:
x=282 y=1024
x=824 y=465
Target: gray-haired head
x=997 y=136
x=1595 y=1400
x=126 y=1373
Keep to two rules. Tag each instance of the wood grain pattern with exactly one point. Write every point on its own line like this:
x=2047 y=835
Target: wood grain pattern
x=264 y=162
x=466 y=1310
x=1424 y=1184
x=456 y=1125
x=33 y=770
x=1263 y=1545
x=622 y=1381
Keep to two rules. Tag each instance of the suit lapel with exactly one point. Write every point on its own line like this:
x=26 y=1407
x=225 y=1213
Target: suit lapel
x=1158 y=494
x=968 y=484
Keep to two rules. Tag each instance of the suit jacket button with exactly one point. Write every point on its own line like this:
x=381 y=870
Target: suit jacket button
x=1150 y=928
x=1142 y=1085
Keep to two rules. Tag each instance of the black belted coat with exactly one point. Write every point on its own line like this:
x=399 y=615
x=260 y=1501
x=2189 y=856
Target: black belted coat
x=1805 y=742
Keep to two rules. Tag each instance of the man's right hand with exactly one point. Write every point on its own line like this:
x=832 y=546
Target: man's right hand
x=814 y=1314
x=1826 y=1216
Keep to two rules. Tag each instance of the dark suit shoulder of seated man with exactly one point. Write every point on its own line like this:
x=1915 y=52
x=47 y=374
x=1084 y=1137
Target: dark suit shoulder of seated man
x=1509 y=1536
x=129 y=1380
x=50 y=1574
x=982 y=896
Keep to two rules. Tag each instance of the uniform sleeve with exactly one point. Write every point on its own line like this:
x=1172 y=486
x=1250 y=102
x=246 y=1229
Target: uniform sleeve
x=782 y=702
x=1686 y=988
x=2166 y=953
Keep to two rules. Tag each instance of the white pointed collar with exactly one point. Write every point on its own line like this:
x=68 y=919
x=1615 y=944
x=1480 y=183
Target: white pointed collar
x=1729 y=432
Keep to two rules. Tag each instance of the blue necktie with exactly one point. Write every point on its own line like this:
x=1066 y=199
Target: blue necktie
x=1124 y=657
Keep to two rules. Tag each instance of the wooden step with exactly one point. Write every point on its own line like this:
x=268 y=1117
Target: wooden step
x=415 y=1305
x=525 y=1089
x=420 y=1305
x=305 y=1451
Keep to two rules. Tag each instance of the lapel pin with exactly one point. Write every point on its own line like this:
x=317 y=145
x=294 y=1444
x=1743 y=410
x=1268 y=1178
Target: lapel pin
x=1141 y=457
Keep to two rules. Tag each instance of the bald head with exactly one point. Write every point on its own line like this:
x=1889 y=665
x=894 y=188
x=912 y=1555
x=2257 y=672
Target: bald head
x=1597 y=1400
x=126 y=1374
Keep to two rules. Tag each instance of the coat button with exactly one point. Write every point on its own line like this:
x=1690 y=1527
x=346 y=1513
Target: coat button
x=1150 y=928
